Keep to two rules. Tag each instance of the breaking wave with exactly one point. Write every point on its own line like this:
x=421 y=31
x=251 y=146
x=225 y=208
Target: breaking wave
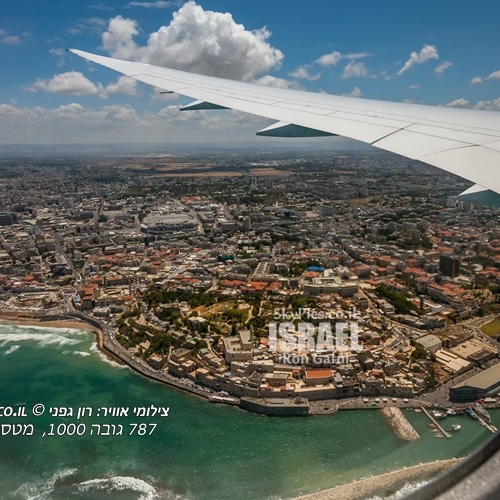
x=120 y=483
x=104 y=358
x=79 y=353
x=402 y=492
x=41 y=490
x=11 y=349
x=43 y=339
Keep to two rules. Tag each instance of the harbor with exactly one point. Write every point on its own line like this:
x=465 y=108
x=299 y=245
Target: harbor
x=436 y=423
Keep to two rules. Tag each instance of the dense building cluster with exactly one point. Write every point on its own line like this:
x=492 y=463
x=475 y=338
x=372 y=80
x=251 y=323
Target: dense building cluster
x=192 y=271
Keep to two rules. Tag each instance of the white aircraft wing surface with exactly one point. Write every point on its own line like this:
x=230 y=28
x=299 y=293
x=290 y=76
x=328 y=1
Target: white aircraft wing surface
x=465 y=142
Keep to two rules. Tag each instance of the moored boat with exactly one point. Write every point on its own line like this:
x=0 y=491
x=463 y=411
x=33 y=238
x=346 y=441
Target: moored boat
x=481 y=411
x=471 y=413
x=438 y=414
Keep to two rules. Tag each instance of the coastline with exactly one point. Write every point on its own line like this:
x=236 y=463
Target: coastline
x=382 y=485
x=385 y=484
x=24 y=319
x=105 y=343
x=34 y=319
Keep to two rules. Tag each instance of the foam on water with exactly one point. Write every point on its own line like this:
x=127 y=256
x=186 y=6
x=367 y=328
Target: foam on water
x=120 y=483
x=43 y=339
x=401 y=493
x=104 y=358
x=41 y=328
x=11 y=349
x=78 y=353
x=44 y=336
x=41 y=490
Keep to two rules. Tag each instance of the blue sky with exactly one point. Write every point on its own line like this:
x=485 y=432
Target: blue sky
x=440 y=53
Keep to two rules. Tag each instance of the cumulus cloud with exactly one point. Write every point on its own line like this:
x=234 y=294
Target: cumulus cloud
x=75 y=83
x=458 y=103
x=480 y=79
x=413 y=87
x=355 y=92
x=439 y=70
x=355 y=69
x=119 y=39
x=72 y=82
x=494 y=76
x=302 y=73
x=198 y=40
x=426 y=53
x=273 y=81
x=330 y=59
x=334 y=57
x=121 y=124
x=493 y=105
x=124 y=85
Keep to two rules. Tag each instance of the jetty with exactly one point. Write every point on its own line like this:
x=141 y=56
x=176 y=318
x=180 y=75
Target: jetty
x=483 y=422
x=403 y=428
x=435 y=422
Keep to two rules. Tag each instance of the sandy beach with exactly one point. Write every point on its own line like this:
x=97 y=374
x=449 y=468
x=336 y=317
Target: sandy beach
x=383 y=485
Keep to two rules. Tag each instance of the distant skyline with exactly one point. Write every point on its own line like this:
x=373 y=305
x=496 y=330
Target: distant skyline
x=444 y=54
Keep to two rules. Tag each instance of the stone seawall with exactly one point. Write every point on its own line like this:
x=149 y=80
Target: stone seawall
x=402 y=428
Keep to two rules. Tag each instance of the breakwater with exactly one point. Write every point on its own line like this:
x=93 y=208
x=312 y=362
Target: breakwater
x=403 y=429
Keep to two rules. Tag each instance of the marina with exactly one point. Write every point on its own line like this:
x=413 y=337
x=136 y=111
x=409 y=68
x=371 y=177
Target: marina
x=482 y=416
x=435 y=422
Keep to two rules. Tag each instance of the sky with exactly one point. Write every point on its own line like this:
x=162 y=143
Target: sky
x=439 y=53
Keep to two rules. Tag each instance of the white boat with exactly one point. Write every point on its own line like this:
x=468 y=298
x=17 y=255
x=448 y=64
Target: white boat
x=481 y=411
x=438 y=414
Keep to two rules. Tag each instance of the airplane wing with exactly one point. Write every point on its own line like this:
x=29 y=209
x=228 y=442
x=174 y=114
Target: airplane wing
x=465 y=142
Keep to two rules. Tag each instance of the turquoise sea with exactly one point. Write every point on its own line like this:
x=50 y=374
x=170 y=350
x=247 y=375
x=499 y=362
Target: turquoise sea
x=200 y=451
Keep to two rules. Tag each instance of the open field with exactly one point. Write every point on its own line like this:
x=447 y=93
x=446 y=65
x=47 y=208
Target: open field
x=492 y=328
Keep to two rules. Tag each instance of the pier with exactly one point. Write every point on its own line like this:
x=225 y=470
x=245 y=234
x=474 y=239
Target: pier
x=488 y=426
x=435 y=422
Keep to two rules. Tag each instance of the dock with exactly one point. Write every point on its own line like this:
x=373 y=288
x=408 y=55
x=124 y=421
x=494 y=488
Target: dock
x=435 y=422
x=488 y=426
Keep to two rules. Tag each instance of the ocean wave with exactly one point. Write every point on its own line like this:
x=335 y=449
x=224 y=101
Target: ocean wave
x=104 y=358
x=41 y=490
x=120 y=483
x=41 y=328
x=78 y=353
x=403 y=491
x=43 y=339
x=11 y=349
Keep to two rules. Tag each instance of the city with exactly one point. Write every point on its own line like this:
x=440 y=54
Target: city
x=187 y=262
